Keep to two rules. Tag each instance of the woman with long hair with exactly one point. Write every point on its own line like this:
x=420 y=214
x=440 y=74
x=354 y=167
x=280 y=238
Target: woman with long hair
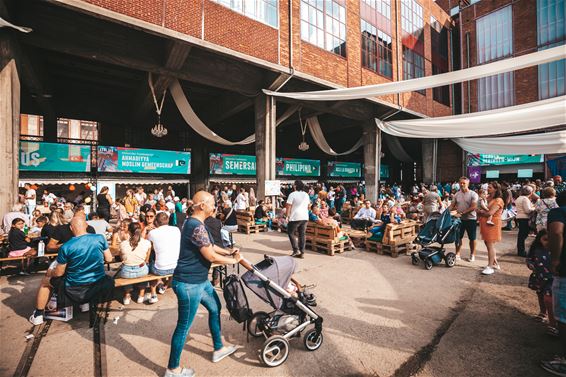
x=121 y=233
x=135 y=257
x=491 y=231
x=104 y=200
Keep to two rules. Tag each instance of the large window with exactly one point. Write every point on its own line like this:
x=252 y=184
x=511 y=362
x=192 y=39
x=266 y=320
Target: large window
x=323 y=23
x=77 y=129
x=413 y=66
x=31 y=125
x=412 y=23
x=439 y=48
x=376 y=50
x=550 y=33
x=262 y=10
x=494 y=40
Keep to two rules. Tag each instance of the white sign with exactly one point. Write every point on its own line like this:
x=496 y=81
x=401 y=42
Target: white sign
x=272 y=188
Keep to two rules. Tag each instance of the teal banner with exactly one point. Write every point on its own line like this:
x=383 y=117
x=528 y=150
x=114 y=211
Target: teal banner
x=134 y=160
x=40 y=156
x=383 y=171
x=297 y=167
x=231 y=164
x=344 y=169
x=503 y=159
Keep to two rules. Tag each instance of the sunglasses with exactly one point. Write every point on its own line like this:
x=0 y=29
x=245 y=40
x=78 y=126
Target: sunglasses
x=150 y=216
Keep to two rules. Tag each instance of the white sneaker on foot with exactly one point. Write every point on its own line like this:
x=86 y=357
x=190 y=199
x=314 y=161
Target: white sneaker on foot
x=36 y=320
x=458 y=257
x=140 y=300
x=153 y=300
x=472 y=258
x=488 y=271
x=222 y=353
x=127 y=300
x=185 y=372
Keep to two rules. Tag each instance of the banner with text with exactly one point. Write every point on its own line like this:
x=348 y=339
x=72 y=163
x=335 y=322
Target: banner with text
x=298 y=167
x=232 y=164
x=134 y=160
x=55 y=157
x=344 y=169
x=503 y=159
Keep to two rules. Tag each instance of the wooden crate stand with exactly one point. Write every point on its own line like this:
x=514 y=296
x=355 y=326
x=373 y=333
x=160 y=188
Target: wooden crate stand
x=246 y=223
x=358 y=237
x=323 y=238
x=400 y=234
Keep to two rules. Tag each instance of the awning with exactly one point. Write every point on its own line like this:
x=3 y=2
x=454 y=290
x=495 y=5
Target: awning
x=145 y=181
x=53 y=181
x=238 y=180
x=338 y=180
x=305 y=181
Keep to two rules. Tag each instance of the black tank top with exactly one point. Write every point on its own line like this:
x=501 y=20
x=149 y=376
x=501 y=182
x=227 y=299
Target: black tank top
x=102 y=201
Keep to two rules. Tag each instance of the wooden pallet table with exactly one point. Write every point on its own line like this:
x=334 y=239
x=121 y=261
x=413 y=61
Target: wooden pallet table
x=247 y=225
x=358 y=237
x=373 y=246
x=329 y=247
x=395 y=250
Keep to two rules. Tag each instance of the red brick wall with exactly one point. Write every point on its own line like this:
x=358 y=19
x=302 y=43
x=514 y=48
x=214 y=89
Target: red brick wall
x=524 y=42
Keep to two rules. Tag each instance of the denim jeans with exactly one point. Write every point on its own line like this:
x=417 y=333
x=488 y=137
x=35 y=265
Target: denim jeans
x=301 y=228
x=522 y=236
x=132 y=272
x=189 y=296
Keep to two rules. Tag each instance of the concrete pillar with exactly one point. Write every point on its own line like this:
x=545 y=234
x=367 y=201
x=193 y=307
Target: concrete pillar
x=199 y=167
x=372 y=161
x=429 y=155
x=265 y=141
x=9 y=135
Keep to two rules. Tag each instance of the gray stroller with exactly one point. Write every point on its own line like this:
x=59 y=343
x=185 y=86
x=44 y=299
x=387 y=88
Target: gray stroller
x=292 y=313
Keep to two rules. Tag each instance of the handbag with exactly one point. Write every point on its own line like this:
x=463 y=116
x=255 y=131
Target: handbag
x=508 y=214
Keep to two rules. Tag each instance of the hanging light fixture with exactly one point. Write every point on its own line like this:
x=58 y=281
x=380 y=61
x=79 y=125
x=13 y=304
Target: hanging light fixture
x=159 y=129
x=303 y=146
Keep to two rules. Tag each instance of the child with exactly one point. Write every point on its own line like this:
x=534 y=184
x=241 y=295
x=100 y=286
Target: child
x=17 y=239
x=483 y=204
x=538 y=260
x=39 y=224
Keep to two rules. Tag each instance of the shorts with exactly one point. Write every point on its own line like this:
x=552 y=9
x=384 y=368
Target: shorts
x=18 y=253
x=559 y=298
x=158 y=272
x=470 y=227
x=132 y=272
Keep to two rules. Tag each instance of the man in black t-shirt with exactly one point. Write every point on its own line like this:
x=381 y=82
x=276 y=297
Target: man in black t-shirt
x=62 y=234
x=557 y=245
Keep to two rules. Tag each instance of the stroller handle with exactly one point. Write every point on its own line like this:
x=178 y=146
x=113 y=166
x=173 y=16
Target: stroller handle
x=247 y=265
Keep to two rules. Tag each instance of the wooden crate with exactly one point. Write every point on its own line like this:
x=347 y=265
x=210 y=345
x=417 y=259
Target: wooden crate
x=395 y=250
x=247 y=225
x=318 y=231
x=329 y=247
x=400 y=234
x=373 y=246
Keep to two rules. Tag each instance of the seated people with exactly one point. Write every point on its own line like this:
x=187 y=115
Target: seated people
x=78 y=272
x=16 y=213
x=40 y=222
x=378 y=230
x=135 y=257
x=121 y=233
x=314 y=216
x=261 y=216
x=18 y=241
x=100 y=226
x=166 y=241
x=55 y=219
x=64 y=233
x=365 y=217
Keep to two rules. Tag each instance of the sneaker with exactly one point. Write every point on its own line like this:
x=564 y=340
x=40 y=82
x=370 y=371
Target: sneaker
x=153 y=300
x=84 y=307
x=488 y=271
x=556 y=366
x=185 y=372
x=127 y=300
x=161 y=289
x=140 y=300
x=36 y=320
x=222 y=353
x=472 y=258
x=458 y=257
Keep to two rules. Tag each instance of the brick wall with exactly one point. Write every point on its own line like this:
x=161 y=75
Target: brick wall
x=524 y=42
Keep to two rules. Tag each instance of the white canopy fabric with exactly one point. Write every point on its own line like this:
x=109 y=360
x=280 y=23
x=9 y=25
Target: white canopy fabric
x=540 y=143
x=485 y=70
x=4 y=23
x=396 y=148
x=528 y=117
x=320 y=140
x=198 y=125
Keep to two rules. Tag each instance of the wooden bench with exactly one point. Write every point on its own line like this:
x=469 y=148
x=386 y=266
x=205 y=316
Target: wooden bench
x=23 y=258
x=121 y=282
x=324 y=238
x=247 y=225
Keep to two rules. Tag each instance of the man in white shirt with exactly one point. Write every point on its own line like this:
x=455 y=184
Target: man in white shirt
x=297 y=213
x=30 y=198
x=365 y=217
x=48 y=197
x=140 y=196
x=241 y=201
x=166 y=241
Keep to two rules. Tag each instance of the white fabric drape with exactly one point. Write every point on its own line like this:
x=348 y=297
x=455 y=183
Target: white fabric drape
x=320 y=140
x=196 y=124
x=507 y=65
x=396 y=148
x=528 y=117
x=4 y=23
x=541 y=143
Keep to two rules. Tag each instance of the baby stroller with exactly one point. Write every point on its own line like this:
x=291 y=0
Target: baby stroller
x=292 y=313
x=441 y=228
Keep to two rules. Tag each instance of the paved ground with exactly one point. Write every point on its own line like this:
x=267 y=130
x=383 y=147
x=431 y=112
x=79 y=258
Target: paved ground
x=382 y=317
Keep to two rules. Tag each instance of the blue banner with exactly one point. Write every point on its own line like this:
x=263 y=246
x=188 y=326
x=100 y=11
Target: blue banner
x=134 y=160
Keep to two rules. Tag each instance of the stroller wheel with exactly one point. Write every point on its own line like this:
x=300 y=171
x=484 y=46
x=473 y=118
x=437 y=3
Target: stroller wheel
x=275 y=351
x=312 y=340
x=428 y=264
x=450 y=259
x=256 y=324
x=414 y=259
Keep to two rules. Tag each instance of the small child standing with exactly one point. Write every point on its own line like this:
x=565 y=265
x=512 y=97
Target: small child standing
x=538 y=261
x=483 y=205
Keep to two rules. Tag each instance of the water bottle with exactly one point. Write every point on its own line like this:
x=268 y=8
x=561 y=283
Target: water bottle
x=26 y=229
x=41 y=248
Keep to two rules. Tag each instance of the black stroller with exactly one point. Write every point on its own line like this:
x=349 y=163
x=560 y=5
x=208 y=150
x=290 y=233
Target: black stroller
x=440 y=228
x=269 y=280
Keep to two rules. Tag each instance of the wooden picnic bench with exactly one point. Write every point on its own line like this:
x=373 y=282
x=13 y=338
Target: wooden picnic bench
x=122 y=282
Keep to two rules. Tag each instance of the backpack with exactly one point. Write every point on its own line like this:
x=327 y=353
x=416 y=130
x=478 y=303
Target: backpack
x=236 y=299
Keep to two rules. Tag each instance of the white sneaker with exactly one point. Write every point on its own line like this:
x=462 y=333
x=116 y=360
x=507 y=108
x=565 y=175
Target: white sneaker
x=153 y=300
x=127 y=300
x=85 y=307
x=140 y=300
x=472 y=258
x=36 y=320
x=458 y=257
x=222 y=353
x=488 y=271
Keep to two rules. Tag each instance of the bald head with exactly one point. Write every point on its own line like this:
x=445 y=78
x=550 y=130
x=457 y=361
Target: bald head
x=78 y=225
x=203 y=203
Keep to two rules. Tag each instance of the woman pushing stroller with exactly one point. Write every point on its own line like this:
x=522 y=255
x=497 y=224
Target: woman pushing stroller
x=191 y=284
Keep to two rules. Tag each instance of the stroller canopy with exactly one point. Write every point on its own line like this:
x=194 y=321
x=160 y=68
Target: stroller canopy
x=277 y=269
x=437 y=227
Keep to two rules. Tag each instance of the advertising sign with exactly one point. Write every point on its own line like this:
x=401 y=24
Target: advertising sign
x=503 y=159
x=492 y=174
x=344 y=169
x=524 y=173
x=474 y=173
x=55 y=157
x=222 y=163
x=383 y=171
x=298 y=167
x=272 y=188
x=135 y=160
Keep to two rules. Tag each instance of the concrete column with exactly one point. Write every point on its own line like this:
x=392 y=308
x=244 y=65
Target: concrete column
x=429 y=160
x=372 y=161
x=9 y=135
x=265 y=141
x=199 y=167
